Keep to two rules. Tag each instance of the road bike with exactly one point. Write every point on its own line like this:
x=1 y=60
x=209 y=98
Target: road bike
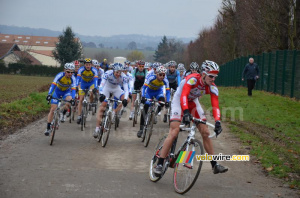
x=55 y=123
x=118 y=117
x=150 y=120
x=106 y=122
x=169 y=109
x=185 y=172
x=74 y=109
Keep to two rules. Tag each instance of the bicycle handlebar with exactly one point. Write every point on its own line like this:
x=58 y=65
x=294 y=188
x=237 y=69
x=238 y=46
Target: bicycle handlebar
x=155 y=100
x=182 y=126
x=59 y=99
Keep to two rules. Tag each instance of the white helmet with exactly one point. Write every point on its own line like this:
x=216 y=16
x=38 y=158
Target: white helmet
x=210 y=67
x=172 y=63
x=70 y=66
x=161 y=69
x=180 y=67
x=95 y=62
x=194 y=66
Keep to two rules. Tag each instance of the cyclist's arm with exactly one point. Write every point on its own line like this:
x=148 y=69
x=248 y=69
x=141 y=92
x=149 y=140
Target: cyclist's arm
x=168 y=94
x=214 y=97
x=54 y=83
x=131 y=85
x=73 y=88
x=178 y=78
x=185 y=93
x=95 y=79
x=125 y=85
x=78 y=80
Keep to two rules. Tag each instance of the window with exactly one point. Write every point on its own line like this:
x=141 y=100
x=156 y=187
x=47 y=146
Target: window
x=37 y=42
x=25 y=41
x=46 y=42
x=6 y=36
x=19 y=36
x=17 y=41
x=27 y=37
x=4 y=40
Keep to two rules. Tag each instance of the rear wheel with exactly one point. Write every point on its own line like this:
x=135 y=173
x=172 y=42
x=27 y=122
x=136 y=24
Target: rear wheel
x=106 y=129
x=82 y=118
x=155 y=158
x=70 y=114
x=135 y=115
x=186 y=174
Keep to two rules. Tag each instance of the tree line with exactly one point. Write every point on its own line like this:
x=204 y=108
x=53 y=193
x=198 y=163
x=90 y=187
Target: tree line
x=245 y=27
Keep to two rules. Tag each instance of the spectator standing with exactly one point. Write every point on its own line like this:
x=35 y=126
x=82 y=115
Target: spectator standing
x=104 y=65
x=251 y=73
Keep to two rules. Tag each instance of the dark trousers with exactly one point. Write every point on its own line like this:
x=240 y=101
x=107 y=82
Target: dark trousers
x=251 y=85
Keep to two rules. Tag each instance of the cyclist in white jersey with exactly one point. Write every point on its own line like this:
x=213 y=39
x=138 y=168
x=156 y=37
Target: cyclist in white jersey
x=194 y=68
x=112 y=82
x=96 y=64
x=130 y=81
x=181 y=70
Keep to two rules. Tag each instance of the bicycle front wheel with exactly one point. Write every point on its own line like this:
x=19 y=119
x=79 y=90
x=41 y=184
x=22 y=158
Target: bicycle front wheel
x=106 y=129
x=148 y=130
x=55 y=118
x=82 y=118
x=135 y=115
x=186 y=174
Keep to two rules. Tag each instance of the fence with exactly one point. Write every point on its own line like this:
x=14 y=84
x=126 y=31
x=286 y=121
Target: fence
x=279 y=72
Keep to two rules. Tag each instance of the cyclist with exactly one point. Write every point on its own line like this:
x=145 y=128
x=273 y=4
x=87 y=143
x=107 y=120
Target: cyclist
x=194 y=68
x=173 y=77
x=130 y=81
x=63 y=85
x=130 y=68
x=181 y=70
x=153 y=87
x=104 y=65
x=112 y=82
x=185 y=101
x=77 y=66
x=87 y=78
x=96 y=64
x=139 y=75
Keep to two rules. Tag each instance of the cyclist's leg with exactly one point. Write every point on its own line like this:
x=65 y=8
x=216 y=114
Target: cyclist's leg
x=102 y=107
x=119 y=93
x=144 y=114
x=91 y=95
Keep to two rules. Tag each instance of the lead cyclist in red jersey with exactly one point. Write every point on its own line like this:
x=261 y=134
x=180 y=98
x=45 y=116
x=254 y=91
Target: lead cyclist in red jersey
x=186 y=104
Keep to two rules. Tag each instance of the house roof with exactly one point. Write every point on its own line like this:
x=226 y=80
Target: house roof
x=7 y=48
x=46 y=41
x=23 y=54
x=43 y=52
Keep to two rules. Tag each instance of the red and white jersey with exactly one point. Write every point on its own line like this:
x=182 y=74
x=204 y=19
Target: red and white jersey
x=191 y=88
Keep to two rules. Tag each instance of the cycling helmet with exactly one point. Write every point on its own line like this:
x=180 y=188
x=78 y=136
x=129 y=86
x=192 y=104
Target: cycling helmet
x=127 y=62
x=111 y=66
x=118 y=67
x=147 y=65
x=210 y=67
x=95 y=62
x=87 y=60
x=125 y=67
x=172 y=63
x=194 y=66
x=181 y=67
x=69 y=66
x=140 y=62
x=161 y=69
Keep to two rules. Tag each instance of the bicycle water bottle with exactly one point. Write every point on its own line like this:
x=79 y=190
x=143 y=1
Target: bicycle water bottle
x=141 y=106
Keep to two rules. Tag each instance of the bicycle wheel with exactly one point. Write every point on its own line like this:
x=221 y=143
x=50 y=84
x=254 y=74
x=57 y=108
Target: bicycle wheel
x=148 y=130
x=85 y=116
x=186 y=174
x=70 y=114
x=55 y=118
x=106 y=129
x=116 y=121
x=135 y=115
x=82 y=118
x=154 y=160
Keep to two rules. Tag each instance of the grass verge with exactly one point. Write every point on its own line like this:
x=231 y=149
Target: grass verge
x=19 y=113
x=268 y=124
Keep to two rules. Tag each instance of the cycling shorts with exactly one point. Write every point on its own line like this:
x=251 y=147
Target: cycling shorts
x=117 y=92
x=137 y=86
x=151 y=93
x=84 y=85
x=58 y=94
x=194 y=108
x=173 y=85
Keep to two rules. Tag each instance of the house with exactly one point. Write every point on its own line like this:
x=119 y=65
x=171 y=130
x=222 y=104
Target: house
x=40 y=47
x=11 y=53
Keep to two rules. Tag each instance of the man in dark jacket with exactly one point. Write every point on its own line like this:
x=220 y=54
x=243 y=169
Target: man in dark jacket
x=251 y=72
x=104 y=65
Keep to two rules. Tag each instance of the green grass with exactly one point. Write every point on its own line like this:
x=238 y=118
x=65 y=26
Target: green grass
x=20 y=112
x=269 y=124
x=92 y=52
x=15 y=87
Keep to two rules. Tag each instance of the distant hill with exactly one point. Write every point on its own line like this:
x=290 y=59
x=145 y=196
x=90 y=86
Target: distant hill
x=116 y=41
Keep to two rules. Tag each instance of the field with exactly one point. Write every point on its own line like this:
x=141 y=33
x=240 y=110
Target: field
x=268 y=125
x=92 y=52
x=15 y=87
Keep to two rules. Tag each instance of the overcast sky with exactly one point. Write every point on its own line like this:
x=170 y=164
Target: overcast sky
x=181 y=18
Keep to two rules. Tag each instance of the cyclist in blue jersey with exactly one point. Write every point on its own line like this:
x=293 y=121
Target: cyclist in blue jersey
x=87 y=78
x=63 y=85
x=153 y=87
x=96 y=64
x=181 y=70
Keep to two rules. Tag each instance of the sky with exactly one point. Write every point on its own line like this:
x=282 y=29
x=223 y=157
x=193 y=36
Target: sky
x=180 y=18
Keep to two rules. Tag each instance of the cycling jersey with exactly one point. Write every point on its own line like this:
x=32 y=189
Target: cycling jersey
x=130 y=82
x=87 y=76
x=173 y=77
x=186 y=73
x=138 y=78
x=100 y=74
x=191 y=88
x=111 y=84
x=153 y=85
x=62 y=86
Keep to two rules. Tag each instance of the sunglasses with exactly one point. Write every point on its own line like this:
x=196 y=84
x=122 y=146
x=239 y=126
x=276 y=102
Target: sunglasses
x=162 y=74
x=69 y=72
x=212 y=76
